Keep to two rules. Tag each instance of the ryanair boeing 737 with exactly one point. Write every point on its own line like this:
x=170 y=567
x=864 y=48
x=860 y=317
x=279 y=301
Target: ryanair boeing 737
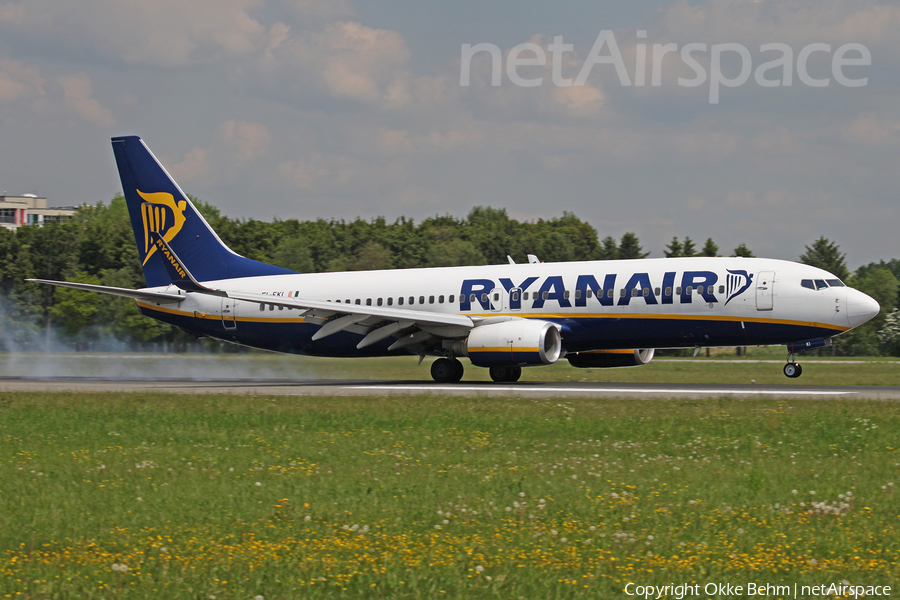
x=504 y=317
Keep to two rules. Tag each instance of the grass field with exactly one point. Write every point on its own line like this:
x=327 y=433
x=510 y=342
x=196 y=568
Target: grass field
x=149 y=496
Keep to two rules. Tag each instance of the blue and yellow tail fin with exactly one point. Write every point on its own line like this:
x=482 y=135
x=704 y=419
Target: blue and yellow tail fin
x=157 y=205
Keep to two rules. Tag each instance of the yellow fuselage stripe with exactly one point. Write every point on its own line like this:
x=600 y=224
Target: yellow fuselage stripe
x=502 y=349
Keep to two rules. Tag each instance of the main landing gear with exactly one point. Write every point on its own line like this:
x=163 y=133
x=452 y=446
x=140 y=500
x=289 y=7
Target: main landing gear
x=446 y=370
x=505 y=374
x=792 y=369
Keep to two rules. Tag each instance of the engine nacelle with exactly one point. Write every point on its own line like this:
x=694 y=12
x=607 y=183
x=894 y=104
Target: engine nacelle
x=603 y=359
x=518 y=343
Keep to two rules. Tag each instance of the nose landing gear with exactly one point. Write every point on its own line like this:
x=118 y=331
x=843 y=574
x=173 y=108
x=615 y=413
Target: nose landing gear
x=792 y=369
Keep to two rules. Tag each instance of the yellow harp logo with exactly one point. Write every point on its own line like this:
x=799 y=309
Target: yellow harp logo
x=155 y=214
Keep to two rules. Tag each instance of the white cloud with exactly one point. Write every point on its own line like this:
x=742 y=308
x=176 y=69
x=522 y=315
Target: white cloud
x=51 y=99
x=194 y=168
x=160 y=33
x=346 y=60
x=245 y=140
x=77 y=93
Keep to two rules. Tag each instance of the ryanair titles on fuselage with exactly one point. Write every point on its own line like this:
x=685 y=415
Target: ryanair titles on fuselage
x=476 y=294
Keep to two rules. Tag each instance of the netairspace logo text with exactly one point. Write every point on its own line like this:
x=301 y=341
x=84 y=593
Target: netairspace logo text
x=776 y=71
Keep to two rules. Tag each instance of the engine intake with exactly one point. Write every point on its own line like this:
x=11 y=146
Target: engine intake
x=518 y=343
x=604 y=359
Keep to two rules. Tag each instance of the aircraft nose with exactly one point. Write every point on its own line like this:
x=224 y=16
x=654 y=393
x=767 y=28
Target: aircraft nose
x=860 y=307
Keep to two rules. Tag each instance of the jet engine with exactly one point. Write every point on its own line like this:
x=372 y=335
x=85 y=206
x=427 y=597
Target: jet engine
x=602 y=359
x=522 y=342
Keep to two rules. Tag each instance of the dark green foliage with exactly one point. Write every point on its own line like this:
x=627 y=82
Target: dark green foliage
x=827 y=255
x=710 y=248
x=743 y=250
x=630 y=247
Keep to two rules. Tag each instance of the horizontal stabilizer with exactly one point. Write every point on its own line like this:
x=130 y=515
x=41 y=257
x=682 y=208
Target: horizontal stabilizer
x=115 y=291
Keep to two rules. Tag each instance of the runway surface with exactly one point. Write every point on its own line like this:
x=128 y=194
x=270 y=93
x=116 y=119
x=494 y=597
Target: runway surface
x=326 y=387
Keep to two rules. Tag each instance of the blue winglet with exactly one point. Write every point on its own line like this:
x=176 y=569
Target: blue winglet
x=157 y=205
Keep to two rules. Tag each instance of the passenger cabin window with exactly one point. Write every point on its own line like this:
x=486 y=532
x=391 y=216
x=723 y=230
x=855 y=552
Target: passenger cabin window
x=721 y=289
x=634 y=292
x=390 y=301
x=656 y=291
x=545 y=295
x=412 y=300
x=524 y=295
x=589 y=293
x=484 y=297
x=566 y=294
x=430 y=299
x=347 y=301
x=358 y=301
x=400 y=300
x=622 y=292
x=471 y=298
x=452 y=297
x=368 y=302
x=668 y=291
x=645 y=292
x=609 y=293
x=421 y=299
x=380 y=302
x=678 y=290
x=497 y=297
x=271 y=307
x=514 y=297
x=262 y=307
x=578 y=294
x=440 y=299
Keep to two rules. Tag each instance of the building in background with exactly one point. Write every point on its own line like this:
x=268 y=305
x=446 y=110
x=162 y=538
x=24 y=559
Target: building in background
x=29 y=209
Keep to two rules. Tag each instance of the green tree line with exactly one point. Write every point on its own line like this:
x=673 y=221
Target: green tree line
x=97 y=246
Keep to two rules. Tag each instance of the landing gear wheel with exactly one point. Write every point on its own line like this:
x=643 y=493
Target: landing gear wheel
x=444 y=370
x=505 y=374
x=459 y=370
x=793 y=370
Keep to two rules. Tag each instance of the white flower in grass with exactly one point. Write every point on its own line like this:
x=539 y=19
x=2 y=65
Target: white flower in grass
x=479 y=569
x=258 y=484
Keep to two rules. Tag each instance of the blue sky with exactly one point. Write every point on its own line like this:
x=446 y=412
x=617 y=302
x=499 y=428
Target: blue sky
x=304 y=109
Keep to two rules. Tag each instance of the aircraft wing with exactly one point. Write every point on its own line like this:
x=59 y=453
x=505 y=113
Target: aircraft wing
x=376 y=322
x=115 y=291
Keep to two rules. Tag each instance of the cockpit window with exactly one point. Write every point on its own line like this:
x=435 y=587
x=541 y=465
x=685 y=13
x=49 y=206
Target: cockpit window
x=820 y=284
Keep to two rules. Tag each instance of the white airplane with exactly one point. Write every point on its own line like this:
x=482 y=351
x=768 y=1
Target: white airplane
x=503 y=317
